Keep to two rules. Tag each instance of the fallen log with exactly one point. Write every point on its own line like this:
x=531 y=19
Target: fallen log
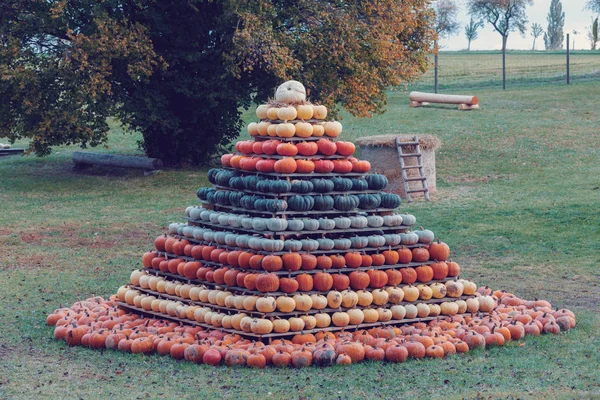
x=420 y=99
x=81 y=158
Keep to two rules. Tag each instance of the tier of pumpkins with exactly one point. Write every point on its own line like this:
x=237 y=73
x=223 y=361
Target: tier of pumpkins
x=296 y=242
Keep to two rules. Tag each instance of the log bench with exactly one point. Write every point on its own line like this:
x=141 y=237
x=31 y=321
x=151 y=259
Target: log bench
x=83 y=159
x=420 y=99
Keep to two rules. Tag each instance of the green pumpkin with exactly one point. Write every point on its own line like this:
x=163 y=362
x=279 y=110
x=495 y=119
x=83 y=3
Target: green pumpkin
x=195 y=213
x=247 y=201
x=235 y=198
x=199 y=233
x=222 y=197
x=210 y=196
x=292 y=245
x=277 y=224
x=250 y=182
x=369 y=201
x=346 y=203
x=212 y=173
x=322 y=185
x=377 y=181
x=342 y=222
x=326 y=224
x=260 y=204
x=264 y=186
x=222 y=178
x=209 y=236
x=237 y=182
x=202 y=193
x=280 y=186
x=341 y=184
x=222 y=218
x=275 y=205
x=247 y=222
x=310 y=224
x=300 y=203
x=302 y=186
x=359 y=184
x=235 y=220
x=188 y=231
x=214 y=217
x=359 y=242
x=295 y=225
x=323 y=203
x=205 y=215
x=325 y=244
x=390 y=200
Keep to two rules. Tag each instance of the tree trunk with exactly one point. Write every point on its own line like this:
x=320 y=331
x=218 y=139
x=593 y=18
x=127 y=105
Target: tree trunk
x=469 y=45
x=504 y=40
x=435 y=63
x=533 y=48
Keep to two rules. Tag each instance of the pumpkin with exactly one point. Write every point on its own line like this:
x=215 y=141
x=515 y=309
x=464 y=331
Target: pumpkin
x=377 y=278
x=291 y=261
x=286 y=149
x=323 y=203
x=272 y=263
x=337 y=261
x=341 y=184
x=266 y=304
x=347 y=203
x=359 y=280
x=408 y=219
x=287 y=113
x=307 y=148
x=342 y=243
x=420 y=254
x=305 y=283
x=440 y=270
x=291 y=92
x=326 y=147
x=439 y=251
x=322 y=281
x=340 y=319
x=288 y=285
x=309 y=244
x=310 y=224
x=323 y=166
x=263 y=127
x=359 y=242
x=301 y=186
x=360 y=166
x=322 y=185
x=326 y=244
x=359 y=184
x=353 y=259
x=409 y=275
x=304 y=129
x=305 y=111
x=369 y=201
x=261 y=111
x=324 y=262
x=320 y=112
x=345 y=148
x=390 y=200
x=425 y=235
x=303 y=303
x=305 y=166
x=295 y=225
x=333 y=128
x=272 y=113
x=285 y=166
x=269 y=147
x=424 y=273
x=301 y=203
x=374 y=221
x=342 y=166
x=342 y=222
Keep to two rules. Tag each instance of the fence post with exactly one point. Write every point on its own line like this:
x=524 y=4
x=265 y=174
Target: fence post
x=568 y=63
x=435 y=69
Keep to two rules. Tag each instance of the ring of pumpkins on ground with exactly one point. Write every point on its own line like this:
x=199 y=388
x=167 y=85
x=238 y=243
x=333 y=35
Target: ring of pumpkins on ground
x=296 y=257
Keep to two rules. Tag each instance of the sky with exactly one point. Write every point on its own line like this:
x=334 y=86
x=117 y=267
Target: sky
x=576 y=18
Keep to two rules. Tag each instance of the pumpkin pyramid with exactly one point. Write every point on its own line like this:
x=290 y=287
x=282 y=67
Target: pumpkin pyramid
x=295 y=236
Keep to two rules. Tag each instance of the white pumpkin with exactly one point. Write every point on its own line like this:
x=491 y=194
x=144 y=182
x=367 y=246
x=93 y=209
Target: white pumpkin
x=291 y=92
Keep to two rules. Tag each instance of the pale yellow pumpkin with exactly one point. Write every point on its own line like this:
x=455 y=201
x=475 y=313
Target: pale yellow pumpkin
x=356 y=316
x=305 y=111
x=319 y=112
x=261 y=111
x=253 y=129
x=287 y=113
x=340 y=318
x=304 y=129
x=272 y=113
x=333 y=128
x=263 y=127
x=286 y=130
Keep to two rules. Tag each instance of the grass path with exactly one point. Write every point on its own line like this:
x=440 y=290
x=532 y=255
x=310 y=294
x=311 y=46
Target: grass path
x=518 y=196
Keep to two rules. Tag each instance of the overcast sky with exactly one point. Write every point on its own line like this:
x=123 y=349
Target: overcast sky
x=576 y=18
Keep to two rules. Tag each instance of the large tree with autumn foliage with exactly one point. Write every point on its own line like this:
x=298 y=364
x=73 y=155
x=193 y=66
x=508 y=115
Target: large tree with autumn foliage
x=179 y=72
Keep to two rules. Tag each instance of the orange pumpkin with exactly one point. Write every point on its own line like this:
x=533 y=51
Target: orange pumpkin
x=360 y=166
x=359 y=280
x=267 y=283
x=345 y=148
x=309 y=262
x=378 y=259
x=285 y=166
x=391 y=257
x=244 y=259
x=305 y=282
x=340 y=282
x=266 y=165
x=322 y=281
x=453 y=268
x=353 y=259
x=324 y=262
x=439 y=251
x=323 y=166
x=272 y=263
x=305 y=166
x=342 y=166
x=424 y=273
x=377 y=278
x=307 y=148
x=409 y=275
x=287 y=149
x=404 y=255
x=288 y=285
x=420 y=254
x=269 y=147
x=292 y=261
x=394 y=277
x=326 y=147
x=338 y=261
x=440 y=270
x=367 y=260
x=256 y=261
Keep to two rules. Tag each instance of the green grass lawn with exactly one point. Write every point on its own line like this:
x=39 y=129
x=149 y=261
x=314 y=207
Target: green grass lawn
x=518 y=196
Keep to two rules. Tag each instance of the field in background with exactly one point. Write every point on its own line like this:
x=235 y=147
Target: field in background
x=517 y=201
x=458 y=69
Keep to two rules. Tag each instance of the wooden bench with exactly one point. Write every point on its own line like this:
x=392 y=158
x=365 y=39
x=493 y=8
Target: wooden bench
x=420 y=99
x=85 y=159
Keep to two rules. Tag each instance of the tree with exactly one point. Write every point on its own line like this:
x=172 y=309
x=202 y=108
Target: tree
x=505 y=16
x=446 y=24
x=593 y=34
x=536 y=31
x=471 y=31
x=593 y=5
x=179 y=72
x=553 y=38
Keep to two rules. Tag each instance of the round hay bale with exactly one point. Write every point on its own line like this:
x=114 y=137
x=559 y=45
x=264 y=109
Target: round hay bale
x=381 y=152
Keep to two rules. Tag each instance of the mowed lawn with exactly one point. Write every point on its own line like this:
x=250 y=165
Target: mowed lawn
x=518 y=199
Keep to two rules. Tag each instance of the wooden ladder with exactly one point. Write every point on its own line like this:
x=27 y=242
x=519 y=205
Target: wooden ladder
x=403 y=168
